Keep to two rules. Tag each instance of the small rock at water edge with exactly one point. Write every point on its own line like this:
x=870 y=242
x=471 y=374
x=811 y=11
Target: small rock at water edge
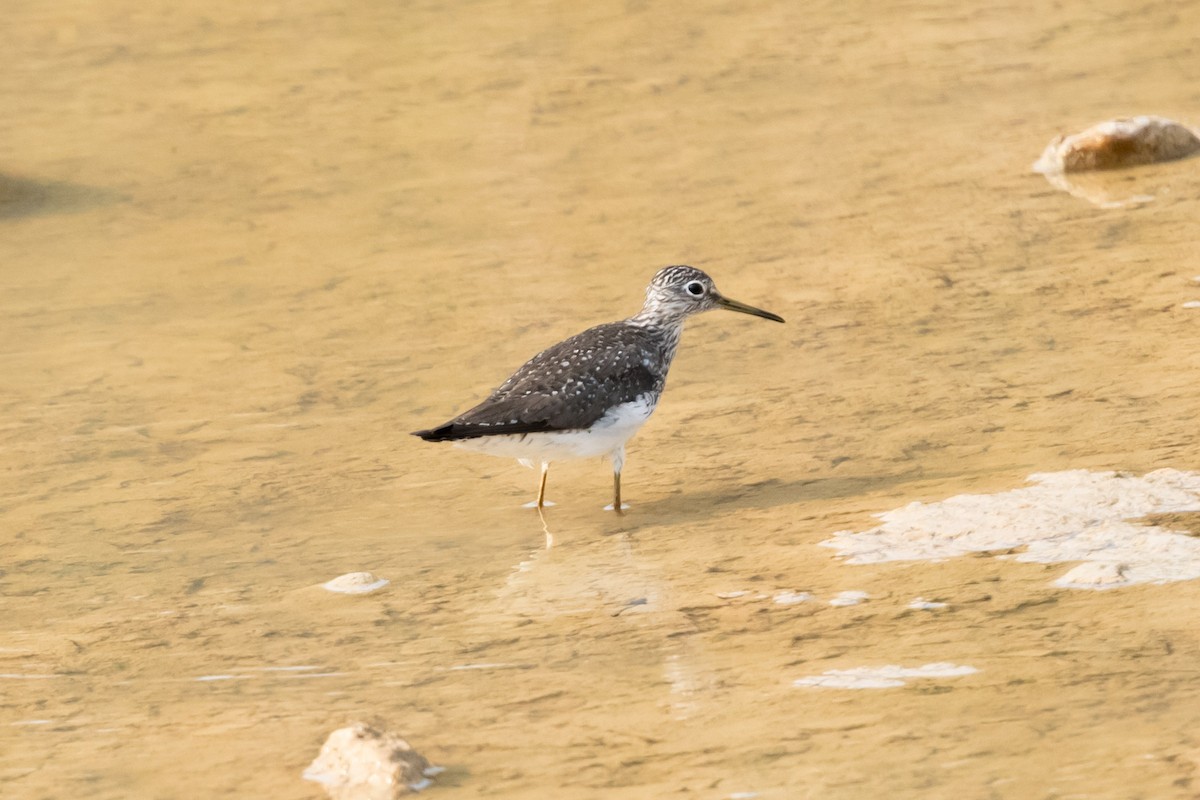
x=850 y=598
x=355 y=583
x=364 y=763
x=1117 y=143
x=790 y=598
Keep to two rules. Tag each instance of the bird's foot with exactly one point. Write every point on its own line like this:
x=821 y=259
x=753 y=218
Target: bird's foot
x=609 y=507
x=533 y=504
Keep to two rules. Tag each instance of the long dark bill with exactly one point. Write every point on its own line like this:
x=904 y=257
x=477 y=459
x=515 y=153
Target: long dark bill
x=734 y=305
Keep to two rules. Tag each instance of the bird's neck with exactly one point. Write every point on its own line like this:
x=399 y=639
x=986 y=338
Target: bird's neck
x=657 y=318
x=664 y=327
x=660 y=313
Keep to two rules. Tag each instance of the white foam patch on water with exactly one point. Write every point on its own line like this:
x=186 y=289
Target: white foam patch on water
x=792 y=598
x=1065 y=516
x=25 y=676
x=498 y=665
x=886 y=677
x=921 y=604
x=308 y=675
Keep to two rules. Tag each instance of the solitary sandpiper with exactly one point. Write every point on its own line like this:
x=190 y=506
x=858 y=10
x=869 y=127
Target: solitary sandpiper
x=588 y=395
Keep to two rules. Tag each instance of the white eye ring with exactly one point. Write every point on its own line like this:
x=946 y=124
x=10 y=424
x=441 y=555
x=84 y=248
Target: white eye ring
x=695 y=288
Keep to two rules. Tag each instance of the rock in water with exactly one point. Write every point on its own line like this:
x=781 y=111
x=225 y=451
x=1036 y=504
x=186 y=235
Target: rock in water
x=364 y=763
x=1118 y=143
x=355 y=583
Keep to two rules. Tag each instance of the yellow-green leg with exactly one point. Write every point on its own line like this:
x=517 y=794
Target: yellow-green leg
x=618 y=461
x=541 y=501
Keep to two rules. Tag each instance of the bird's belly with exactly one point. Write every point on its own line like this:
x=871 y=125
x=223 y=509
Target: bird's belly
x=607 y=434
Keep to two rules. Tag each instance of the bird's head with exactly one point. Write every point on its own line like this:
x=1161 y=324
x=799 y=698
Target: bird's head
x=678 y=292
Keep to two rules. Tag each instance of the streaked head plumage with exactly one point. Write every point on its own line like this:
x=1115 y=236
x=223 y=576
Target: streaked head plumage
x=679 y=291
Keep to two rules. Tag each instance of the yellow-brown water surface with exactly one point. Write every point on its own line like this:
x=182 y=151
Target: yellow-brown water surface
x=245 y=248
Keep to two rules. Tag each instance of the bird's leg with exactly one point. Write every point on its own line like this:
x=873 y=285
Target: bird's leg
x=618 y=461
x=541 y=501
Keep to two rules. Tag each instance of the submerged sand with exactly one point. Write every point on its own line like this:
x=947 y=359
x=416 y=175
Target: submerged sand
x=245 y=249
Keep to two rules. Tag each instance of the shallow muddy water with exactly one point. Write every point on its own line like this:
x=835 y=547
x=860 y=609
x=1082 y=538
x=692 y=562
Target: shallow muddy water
x=244 y=249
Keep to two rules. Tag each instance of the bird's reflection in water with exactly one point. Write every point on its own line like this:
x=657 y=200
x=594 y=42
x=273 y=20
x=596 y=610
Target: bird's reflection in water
x=545 y=527
x=582 y=574
x=596 y=579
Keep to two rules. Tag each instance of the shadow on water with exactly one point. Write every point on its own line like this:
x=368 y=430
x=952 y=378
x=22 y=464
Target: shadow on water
x=698 y=506
x=766 y=494
x=23 y=197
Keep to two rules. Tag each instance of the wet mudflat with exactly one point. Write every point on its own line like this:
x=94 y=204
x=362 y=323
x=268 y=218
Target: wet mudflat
x=246 y=249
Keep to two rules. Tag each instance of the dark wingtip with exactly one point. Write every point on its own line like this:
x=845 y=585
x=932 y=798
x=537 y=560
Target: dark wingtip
x=457 y=431
x=439 y=434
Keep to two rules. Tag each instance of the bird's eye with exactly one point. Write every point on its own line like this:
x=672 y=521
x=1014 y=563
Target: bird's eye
x=695 y=288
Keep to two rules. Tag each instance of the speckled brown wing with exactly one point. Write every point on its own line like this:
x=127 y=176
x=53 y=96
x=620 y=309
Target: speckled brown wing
x=568 y=386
